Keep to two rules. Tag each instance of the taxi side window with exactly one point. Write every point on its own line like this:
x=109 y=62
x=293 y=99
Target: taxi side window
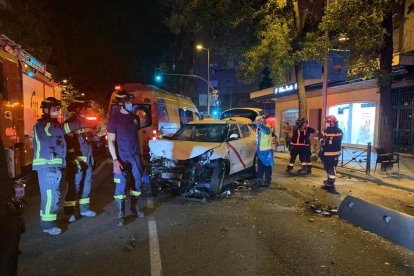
x=244 y=131
x=234 y=130
x=186 y=116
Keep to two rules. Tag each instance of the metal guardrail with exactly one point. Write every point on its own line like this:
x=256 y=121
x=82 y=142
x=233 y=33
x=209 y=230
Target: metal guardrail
x=352 y=158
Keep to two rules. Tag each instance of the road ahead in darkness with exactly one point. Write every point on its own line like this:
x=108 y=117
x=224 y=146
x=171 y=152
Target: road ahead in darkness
x=253 y=232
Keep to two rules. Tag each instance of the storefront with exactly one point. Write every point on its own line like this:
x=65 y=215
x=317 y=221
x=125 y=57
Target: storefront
x=355 y=105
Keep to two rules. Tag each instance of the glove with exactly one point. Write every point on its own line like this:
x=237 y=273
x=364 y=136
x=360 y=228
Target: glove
x=117 y=166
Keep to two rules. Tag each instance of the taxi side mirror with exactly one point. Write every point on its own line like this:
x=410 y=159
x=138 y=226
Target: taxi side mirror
x=234 y=136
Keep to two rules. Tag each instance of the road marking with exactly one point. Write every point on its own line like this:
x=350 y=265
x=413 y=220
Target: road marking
x=100 y=167
x=155 y=256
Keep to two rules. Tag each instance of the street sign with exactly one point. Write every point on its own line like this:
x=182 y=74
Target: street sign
x=218 y=102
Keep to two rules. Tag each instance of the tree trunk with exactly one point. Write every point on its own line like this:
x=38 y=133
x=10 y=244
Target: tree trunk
x=303 y=111
x=386 y=131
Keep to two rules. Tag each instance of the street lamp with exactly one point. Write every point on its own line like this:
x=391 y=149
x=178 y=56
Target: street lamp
x=200 y=47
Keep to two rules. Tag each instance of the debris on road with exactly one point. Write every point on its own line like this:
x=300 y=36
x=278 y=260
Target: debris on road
x=131 y=244
x=320 y=209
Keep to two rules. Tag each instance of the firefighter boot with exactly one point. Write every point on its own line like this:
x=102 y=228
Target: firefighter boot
x=309 y=170
x=85 y=211
x=120 y=209
x=303 y=170
x=135 y=207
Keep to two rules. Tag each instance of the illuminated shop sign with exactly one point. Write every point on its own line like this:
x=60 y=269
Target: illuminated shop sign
x=284 y=89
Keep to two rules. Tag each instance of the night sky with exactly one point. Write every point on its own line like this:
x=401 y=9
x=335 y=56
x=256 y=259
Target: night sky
x=96 y=44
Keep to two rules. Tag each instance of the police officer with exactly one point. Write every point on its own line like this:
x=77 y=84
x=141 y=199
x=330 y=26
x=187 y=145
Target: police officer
x=298 y=146
x=49 y=159
x=80 y=162
x=310 y=134
x=264 y=151
x=332 y=140
x=123 y=126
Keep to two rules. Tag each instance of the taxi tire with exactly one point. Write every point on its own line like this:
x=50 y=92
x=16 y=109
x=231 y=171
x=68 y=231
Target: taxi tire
x=218 y=177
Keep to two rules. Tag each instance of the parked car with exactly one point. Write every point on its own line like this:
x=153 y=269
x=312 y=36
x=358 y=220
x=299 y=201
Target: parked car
x=199 y=157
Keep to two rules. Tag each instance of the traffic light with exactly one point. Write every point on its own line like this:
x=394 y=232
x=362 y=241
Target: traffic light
x=158 y=75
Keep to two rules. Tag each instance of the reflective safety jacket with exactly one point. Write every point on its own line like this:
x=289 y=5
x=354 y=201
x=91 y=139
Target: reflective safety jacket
x=300 y=137
x=332 y=141
x=79 y=148
x=265 y=138
x=49 y=143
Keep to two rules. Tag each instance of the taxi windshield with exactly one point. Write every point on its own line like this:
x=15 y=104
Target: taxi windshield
x=214 y=133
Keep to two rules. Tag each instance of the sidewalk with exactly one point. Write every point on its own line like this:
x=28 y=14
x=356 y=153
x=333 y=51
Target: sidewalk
x=403 y=181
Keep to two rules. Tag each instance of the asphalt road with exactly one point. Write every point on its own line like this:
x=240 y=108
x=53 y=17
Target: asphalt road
x=253 y=232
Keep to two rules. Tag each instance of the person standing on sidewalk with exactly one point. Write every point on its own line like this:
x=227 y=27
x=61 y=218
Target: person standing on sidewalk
x=80 y=162
x=298 y=147
x=332 y=142
x=123 y=127
x=49 y=160
x=310 y=134
x=287 y=131
x=264 y=152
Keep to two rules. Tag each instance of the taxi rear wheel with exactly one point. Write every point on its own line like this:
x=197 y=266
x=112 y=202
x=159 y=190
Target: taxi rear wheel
x=218 y=177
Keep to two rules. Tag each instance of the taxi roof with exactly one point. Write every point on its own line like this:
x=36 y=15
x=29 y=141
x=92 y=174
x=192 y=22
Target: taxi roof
x=219 y=122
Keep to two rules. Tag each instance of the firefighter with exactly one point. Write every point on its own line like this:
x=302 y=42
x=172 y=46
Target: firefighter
x=79 y=163
x=264 y=151
x=298 y=146
x=332 y=140
x=123 y=126
x=49 y=160
x=310 y=134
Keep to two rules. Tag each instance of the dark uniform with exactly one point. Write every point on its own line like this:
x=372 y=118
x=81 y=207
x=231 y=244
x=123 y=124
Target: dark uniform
x=298 y=146
x=126 y=126
x=80 y=161
x=307 y=161
x=332 y=141
x=11 y=222
x=49 y=159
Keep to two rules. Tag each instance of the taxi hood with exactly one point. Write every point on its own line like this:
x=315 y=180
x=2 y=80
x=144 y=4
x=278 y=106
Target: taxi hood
x=179 y=150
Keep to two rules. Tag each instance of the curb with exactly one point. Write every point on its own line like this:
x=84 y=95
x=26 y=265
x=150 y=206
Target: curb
x=356 y=175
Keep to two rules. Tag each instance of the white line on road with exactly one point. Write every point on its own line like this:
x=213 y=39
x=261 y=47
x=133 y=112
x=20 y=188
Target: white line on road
x=155 y=256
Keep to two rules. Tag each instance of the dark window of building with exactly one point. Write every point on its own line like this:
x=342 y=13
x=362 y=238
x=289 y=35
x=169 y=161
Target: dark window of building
x=230 y=83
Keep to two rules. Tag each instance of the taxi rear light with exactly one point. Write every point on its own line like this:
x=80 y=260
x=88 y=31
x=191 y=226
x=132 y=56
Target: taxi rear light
x=154 y=132
x=91 y=118
x=117 y=87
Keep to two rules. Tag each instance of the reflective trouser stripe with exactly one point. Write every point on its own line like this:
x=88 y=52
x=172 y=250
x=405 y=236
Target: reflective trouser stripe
x=304 y=163
x=83 y=158
x=70 y=203
x=120 y=196
x=332 y=153
x=47 y=216
x=309 y=163
x=134 y=193
x=84 y=200
x=67 y=128
x=117 y=180
x=290 y=165
x=331 y=176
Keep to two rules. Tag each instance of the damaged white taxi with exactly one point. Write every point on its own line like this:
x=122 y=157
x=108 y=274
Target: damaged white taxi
x=201 y=155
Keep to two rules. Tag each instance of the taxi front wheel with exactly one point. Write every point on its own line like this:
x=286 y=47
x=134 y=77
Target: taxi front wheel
x=218 y=177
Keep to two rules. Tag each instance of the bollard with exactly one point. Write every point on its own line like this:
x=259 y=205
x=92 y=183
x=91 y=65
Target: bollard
x=368 y=167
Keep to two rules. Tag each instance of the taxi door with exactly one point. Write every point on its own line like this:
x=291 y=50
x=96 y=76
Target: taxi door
x=249 y=144
x=236 y=149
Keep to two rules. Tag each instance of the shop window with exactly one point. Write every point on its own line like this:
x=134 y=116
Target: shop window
x=357 y=121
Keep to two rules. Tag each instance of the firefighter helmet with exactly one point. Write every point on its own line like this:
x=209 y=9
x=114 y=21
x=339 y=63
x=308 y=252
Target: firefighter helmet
x=300 y=122
x=122 y=97
x=78 y=102
x=50 y=102
x=331 y=120
x=305 y=121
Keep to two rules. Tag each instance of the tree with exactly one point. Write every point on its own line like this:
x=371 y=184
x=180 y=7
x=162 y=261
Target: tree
x=366 y=29
x=266 y=34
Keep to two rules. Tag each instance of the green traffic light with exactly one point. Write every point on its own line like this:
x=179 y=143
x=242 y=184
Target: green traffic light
x=158 y=78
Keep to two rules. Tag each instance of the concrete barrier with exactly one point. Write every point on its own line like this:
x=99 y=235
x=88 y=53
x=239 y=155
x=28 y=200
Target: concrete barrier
x=387 y=223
